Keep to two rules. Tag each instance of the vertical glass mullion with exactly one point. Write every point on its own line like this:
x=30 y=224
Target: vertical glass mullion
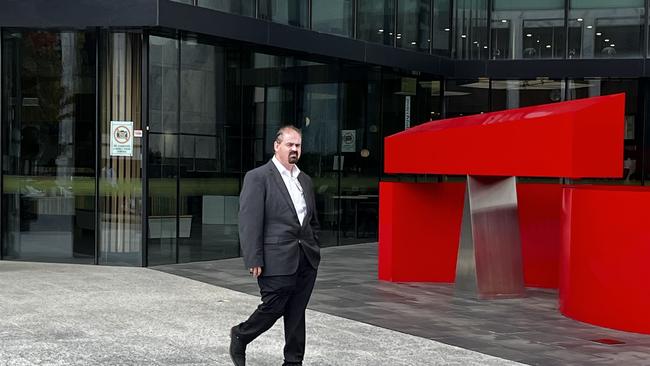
x=98 y=144
x=144 y=110
x=179 y=39
x=2 y=98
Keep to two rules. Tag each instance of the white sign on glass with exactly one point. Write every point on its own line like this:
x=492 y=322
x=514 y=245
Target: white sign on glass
x=121 y=138
x=348 y=140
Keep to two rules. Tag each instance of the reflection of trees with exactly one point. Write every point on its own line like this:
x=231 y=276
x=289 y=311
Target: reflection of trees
x=42 y=80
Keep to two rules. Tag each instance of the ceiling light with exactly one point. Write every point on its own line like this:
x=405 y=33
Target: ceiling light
x=590 y=26
x=484 y=46
x=504 y=20
x=612 y=45
x=529 y=34
x=447 y=29
x=538 y=41
x=381 y=31
x=475 y=42
x=548 y=46
x=413 y=43
x=463 y=35
x=579 y=19
x=599 y=34
x=606 y=39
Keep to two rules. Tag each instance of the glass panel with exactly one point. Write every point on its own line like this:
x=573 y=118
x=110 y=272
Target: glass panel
x=376 y=21
x=163 y=150
x=633 y=137
x=291 y=12
x=470 y=29
x=414 y=24
x=360 y=152
x=120 y=185
x=241 y=7
x=332 y=16
x=441 y=27
x=509 y=94
x=466 y=97
x=320 y=125
x=606 y=28
x=48 y=147
x=527 y=29
x=209 y=155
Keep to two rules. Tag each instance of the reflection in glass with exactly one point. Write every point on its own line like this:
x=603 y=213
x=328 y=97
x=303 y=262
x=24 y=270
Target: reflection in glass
x=527 y=29
x=208 y=186
x=291 y=12
x=464 y=97
x=358 y=198
x=470 y=29
x=441 y=27
x=163 y=150
x=414 y=24
x=120 y=183
x=319 y=153
x=509 y=94
x=241 y=7
x=48 y=150
x=376 y=21
x=606 y=29
x=633 y=136
x=332 y=16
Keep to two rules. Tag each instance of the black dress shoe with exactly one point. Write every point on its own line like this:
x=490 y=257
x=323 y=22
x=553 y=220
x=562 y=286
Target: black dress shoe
x=237 y=349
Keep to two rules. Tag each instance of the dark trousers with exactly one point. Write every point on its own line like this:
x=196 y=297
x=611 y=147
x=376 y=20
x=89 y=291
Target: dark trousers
x=285 y=296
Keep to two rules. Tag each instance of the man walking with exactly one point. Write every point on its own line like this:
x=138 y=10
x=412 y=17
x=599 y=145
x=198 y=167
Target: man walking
x=278 y=233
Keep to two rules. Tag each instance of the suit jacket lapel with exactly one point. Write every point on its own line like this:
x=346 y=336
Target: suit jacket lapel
x=277 y=178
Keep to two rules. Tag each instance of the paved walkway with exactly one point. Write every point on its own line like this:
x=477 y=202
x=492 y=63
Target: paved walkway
x=529 y=330
x=62 y=314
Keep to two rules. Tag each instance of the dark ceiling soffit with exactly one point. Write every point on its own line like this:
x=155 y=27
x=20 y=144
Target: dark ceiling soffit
x=255 y=31
x=78 y=13
x=522 y=69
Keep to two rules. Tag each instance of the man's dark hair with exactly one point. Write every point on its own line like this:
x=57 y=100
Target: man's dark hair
x=278 y=135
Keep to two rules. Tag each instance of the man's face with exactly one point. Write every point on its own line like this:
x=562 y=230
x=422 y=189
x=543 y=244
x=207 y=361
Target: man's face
x=288 y=150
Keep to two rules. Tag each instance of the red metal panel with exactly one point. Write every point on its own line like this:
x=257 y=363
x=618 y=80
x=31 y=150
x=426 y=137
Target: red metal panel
x=419 y=229
x=540 y=207
x=604 y=261
x=580 y=138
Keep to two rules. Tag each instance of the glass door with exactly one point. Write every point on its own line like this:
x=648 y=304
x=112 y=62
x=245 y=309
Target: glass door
x=48 y=146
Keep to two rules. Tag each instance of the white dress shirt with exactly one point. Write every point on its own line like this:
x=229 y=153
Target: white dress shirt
x=290 y=179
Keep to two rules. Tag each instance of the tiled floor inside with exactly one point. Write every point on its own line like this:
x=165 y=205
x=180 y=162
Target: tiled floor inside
x=529 y=330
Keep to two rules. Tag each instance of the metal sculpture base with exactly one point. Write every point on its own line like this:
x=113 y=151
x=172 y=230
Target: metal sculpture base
x=489 y=262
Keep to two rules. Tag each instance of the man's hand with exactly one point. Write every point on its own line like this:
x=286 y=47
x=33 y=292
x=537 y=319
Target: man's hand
x=255 y=271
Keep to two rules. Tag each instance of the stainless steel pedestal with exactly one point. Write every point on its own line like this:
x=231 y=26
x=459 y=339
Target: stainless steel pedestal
x=489 y=262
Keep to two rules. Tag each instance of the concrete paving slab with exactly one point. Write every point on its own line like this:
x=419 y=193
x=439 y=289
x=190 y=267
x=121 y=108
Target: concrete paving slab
x=63 y=314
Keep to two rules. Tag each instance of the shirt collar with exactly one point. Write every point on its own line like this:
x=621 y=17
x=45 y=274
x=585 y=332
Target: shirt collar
x=284 y=170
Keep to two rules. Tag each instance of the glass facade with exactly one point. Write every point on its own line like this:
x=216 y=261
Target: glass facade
x=197 y=113
x=606 y=29
x=527 y=29
x=290 y=12
x=333 y=16
x=48 y=145
x=120 y=179
x=376 y=21
x=470 y=37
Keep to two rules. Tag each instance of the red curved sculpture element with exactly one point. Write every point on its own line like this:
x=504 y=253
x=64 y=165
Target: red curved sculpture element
x=604 y=260
x=579 y=138
x=419 y=228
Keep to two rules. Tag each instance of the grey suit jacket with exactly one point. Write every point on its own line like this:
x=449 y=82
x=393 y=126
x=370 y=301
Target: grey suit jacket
x=270 y=233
